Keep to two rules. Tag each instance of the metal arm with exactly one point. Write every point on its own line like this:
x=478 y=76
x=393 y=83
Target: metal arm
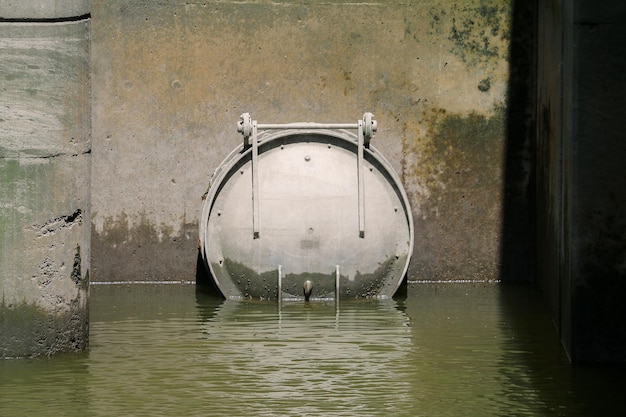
x=365 y=127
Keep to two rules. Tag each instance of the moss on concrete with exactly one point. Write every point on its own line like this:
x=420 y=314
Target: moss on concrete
x=459 y=172
x=27 y=330
x=144 y=251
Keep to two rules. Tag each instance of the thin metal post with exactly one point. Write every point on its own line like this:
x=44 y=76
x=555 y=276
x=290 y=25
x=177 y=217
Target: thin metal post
x=255 y=181
x=337 y=276
x=361 y=144
x=280 y=286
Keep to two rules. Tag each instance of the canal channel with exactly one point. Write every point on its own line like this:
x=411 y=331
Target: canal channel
x=444 y=349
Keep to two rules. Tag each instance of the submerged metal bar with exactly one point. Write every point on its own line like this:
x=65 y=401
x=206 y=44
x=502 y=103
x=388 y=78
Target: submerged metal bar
x=337 y=276
x=359 y=167
x=255 y=182
x=280 y=286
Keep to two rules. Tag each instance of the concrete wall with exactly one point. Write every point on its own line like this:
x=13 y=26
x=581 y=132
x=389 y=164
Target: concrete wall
x=581 y=175
x=44 y=177
x=171 y=79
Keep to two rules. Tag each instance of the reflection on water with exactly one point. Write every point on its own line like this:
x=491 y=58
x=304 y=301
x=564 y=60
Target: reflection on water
x=307 y=359
x=444 y=350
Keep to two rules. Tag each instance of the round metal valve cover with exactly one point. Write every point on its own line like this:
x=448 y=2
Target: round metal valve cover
x=307 y=220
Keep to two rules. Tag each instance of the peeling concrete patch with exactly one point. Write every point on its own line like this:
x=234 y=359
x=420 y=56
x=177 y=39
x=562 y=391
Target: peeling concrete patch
x=47 y=273
x=76 y=268
x=484 y=85
x=57 y=224
x=58 y=287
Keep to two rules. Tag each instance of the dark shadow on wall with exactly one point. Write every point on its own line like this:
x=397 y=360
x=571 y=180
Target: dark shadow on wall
x=204 y=281
x=572 y=390
x=517 y=240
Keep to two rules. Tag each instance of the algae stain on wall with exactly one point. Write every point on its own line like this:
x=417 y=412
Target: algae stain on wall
x=453 y=148
x=461 y=57
x=453 y=171
x=28 y=330
x=131 y=249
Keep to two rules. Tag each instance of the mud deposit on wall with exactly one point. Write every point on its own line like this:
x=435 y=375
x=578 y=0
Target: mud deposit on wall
x=27 y=330
x=455 y=173
x=143 y=251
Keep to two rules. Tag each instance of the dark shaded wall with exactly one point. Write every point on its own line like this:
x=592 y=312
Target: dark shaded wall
x=518 y=250
x=171 y=79
x=581 y=179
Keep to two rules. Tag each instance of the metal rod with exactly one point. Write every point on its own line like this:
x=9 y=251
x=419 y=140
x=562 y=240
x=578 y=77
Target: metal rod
x=280 y=286
x=255 y=182
x=361 y=144
x=307 y=125
x=337 y=276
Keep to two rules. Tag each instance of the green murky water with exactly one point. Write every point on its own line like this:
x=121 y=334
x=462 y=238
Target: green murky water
x=444 y=350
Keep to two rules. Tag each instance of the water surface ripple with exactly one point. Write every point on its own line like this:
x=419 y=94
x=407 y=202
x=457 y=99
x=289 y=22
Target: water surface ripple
x=444 y=350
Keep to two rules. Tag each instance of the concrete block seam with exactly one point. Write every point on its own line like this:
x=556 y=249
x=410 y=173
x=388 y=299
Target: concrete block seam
x=62 y=19
x=50 y=156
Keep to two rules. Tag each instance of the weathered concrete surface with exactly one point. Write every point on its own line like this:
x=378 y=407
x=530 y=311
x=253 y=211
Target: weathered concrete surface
x=44 y=187
x=43 y=9
x=582 y=179
x=171 y=79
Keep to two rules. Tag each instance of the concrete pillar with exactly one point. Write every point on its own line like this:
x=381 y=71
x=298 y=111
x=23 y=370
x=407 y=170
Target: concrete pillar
x=582 y=179
x=45 y=157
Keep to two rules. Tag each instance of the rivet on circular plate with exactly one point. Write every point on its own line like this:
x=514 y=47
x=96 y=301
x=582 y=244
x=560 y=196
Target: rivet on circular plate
x=307 y=158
